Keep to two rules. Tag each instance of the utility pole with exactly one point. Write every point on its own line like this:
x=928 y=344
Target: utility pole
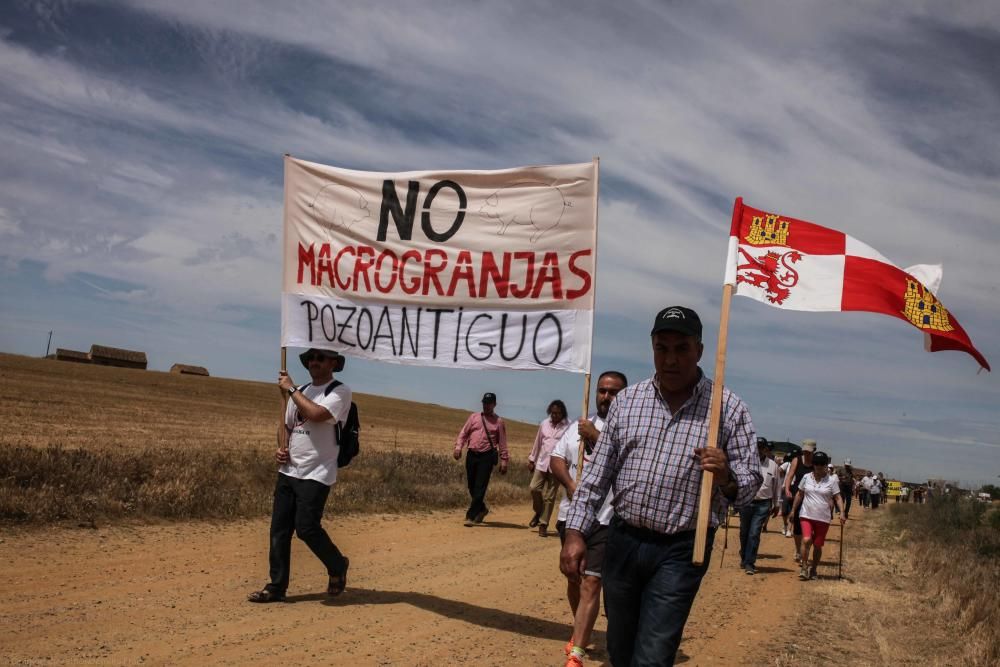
x=48 y=345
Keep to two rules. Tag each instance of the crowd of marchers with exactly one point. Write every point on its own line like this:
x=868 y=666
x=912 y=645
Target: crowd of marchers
x=630 y=474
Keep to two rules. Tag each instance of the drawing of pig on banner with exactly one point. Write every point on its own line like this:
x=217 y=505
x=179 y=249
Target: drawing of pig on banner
x=339 y=205
x=542 y=213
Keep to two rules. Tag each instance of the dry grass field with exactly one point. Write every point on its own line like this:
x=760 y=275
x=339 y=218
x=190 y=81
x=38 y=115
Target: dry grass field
x=45 y=402
x=91 y=443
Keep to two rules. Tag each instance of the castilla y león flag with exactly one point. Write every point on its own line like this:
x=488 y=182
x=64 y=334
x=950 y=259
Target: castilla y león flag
x=798 y=265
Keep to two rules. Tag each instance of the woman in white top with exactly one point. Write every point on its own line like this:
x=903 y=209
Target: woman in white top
x=818 y=492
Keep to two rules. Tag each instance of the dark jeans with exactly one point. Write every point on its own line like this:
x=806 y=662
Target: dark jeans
x=875 y=499
x=298 y=509
x=649 y=587
x=845 y=495
x=478 y=468
x=752 y=518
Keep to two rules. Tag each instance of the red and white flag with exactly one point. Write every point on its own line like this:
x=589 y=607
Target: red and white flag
x=798 y=265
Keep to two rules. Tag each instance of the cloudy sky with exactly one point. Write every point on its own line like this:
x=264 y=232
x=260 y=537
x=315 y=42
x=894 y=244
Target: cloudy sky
x=141 y=182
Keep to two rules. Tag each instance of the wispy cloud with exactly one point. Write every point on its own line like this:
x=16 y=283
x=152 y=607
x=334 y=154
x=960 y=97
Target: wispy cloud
x=140 y=145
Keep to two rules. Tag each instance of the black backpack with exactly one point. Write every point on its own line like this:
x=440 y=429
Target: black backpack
x=348 y=433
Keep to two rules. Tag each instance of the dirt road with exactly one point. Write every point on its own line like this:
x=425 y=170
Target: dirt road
x=423 y=590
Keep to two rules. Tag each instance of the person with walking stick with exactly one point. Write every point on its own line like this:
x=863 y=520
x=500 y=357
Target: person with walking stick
x=818 y=492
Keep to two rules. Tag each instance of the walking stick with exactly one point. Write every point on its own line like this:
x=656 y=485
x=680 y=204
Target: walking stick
x=840 y=560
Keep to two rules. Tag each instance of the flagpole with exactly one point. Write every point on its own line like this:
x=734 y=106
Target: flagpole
x=705 y=501
x=581 y=449
x=715 y=409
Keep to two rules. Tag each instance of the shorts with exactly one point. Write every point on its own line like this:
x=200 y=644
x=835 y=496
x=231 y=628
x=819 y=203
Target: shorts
x=595 y=547
x=815 y=529
x=786 y=507
x=596 y=544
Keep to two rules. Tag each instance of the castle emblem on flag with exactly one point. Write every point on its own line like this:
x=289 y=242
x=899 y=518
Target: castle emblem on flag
x=923 y=309
x=768 y=229
x=771 y=271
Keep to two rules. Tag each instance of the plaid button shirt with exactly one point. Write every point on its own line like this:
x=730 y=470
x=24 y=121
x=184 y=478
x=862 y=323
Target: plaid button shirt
x=645 y=456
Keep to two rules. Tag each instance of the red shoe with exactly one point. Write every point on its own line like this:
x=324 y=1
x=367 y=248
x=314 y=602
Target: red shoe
x=568 y=647
x=573 y=661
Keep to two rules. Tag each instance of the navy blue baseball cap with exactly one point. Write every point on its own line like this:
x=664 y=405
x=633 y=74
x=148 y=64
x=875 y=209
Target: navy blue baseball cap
x=677 y=318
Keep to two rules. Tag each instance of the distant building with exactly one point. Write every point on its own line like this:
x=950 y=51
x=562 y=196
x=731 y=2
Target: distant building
x=185 y=369
x=70 y=355
x=114 y=356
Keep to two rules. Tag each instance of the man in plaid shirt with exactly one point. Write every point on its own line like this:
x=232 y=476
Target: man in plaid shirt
x=650 y=457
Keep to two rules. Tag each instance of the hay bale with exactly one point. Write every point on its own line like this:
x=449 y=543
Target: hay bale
x=115 y=356
x=71 y=355
x=187 y=369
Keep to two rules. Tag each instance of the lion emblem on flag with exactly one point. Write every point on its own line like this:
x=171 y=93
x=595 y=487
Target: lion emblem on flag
x=771 y=271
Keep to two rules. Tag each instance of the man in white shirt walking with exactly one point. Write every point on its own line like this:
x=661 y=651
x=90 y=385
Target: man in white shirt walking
x=308 y=470
x=753 y=516
x=585 y=595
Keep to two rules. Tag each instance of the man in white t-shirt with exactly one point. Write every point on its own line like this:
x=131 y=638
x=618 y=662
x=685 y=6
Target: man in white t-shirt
x=308 y=468
x=786 y=503
x=877 y=489
x=864 y=494
x=765 y=502
x=585 y=596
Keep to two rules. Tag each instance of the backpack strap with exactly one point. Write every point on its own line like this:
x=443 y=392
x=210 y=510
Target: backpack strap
x=326 y=392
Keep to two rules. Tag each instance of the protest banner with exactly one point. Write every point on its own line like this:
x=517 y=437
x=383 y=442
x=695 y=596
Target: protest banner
x=460 y=269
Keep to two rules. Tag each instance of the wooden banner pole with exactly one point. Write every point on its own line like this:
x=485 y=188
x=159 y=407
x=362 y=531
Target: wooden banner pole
x=582 y=448
x=282 y=430
x=585 y=410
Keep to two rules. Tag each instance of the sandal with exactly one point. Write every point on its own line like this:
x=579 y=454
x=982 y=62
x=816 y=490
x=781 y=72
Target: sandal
x=338 y=583
x=266 y=595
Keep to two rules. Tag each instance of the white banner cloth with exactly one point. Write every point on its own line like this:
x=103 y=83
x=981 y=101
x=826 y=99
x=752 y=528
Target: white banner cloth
x=463 y=269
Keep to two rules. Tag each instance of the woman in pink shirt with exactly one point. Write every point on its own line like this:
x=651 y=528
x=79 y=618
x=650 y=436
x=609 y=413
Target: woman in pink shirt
x=543 y=483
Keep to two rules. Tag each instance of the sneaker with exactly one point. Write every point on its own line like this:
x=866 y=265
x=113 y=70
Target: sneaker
x=533 y=522
x=750 y=569
x=788 y=532
x=467 y=523
x=573 y=661
x=543 y=530
x=798 y=558
x=568 y=647
x=482 y=515
x=803 y=574
x=812 y=573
